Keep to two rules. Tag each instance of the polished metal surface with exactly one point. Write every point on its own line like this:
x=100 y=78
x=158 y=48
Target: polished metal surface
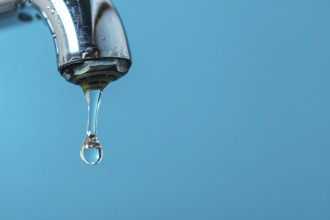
x=7 y=6
x=89 y=36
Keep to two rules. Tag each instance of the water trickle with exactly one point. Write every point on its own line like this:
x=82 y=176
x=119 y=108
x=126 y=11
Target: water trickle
x=91 y=151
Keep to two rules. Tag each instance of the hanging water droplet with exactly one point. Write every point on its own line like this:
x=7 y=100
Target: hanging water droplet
x=91 y=151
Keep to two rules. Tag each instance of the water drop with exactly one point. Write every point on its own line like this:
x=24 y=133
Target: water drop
x=91 y=151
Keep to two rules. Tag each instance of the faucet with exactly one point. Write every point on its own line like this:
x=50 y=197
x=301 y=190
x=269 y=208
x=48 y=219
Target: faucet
x=91 y=47
x=90 y=40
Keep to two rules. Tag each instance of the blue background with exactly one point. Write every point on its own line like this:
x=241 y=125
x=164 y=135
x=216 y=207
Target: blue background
x=225 y=114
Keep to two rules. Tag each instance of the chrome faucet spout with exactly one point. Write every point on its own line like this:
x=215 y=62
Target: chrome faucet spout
x=90 y=40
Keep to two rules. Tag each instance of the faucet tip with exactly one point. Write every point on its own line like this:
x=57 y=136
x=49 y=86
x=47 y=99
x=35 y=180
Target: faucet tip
x=96 y=74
